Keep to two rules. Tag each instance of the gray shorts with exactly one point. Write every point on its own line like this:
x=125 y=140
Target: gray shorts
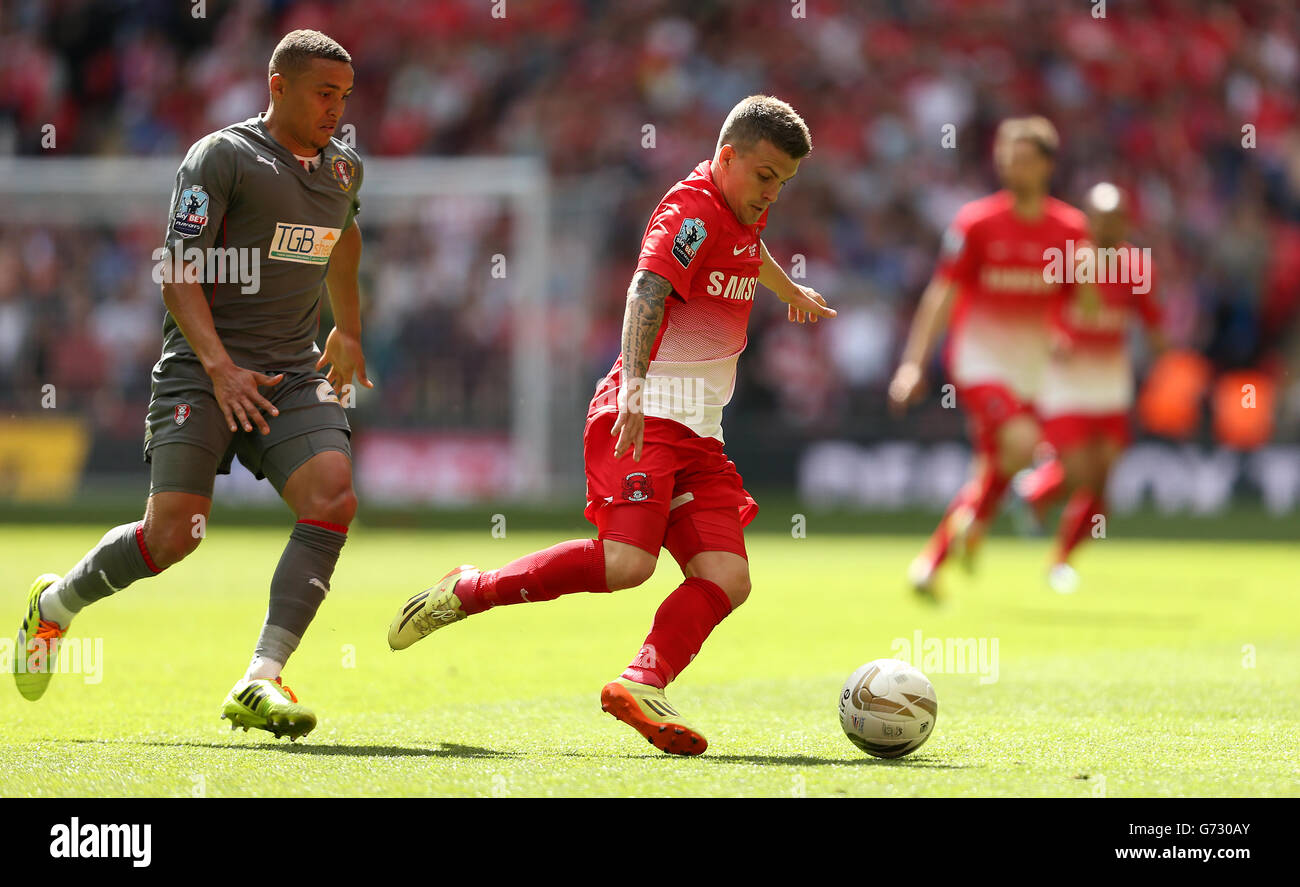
x=311 y=421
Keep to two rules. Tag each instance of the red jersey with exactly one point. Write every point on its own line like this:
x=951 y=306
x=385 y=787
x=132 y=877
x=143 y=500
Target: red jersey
x=697 y=244
x=996 y=258
x=1125 y=286
x=998 y=263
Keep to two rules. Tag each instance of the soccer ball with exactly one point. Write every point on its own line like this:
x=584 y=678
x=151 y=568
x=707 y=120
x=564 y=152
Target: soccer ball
x=888 y=708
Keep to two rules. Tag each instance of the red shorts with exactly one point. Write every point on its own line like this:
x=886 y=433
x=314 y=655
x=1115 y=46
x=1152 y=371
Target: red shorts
x=1071 y=430
x=684 y=495
x=988 y=407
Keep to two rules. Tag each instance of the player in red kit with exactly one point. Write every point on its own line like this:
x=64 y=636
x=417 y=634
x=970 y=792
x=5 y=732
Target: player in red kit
x=1088 y=386
x=657 y=476
x=992 y=288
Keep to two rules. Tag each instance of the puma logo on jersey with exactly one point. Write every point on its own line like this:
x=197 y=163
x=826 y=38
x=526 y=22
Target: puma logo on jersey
x=270 y=163
x=736 y=287
x=321 y=585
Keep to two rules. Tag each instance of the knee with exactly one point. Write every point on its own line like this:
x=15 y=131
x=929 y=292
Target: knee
x=1017 y=448
x=627 y=566
x=335 y=504
x=170 y=540
x=734 y=582
x=1097 y=474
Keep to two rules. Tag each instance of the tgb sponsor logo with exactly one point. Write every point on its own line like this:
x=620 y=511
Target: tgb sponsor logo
x=212 y=265
x=305 y=244
x=736 y=286
x=78 y=840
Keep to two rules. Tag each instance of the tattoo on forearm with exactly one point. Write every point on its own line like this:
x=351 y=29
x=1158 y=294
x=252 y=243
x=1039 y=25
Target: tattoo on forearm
x=641 y=320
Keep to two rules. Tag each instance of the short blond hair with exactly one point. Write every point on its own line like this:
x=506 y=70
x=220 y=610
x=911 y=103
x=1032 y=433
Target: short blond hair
x=1036 y=129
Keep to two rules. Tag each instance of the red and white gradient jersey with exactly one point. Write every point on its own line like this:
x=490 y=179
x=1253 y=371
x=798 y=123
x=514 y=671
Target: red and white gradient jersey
x=1003 y=303
x=698 y=245
x=1125 y=283
x=1094 y=376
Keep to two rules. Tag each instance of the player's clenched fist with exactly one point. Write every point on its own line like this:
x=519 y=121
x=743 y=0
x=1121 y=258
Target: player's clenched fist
x=236 y=392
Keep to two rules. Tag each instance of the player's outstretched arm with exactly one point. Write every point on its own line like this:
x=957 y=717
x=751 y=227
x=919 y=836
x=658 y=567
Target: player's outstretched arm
x=803 y=303
x=342 y=352
x=929 y=322
x=642 y=317
x=234 y=388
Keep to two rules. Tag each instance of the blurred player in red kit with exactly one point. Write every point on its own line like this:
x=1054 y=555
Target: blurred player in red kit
x=1088 y=385
x=683 y=331
x=992 y=288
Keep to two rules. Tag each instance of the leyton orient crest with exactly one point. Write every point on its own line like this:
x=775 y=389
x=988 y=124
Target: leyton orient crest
x=636 y=487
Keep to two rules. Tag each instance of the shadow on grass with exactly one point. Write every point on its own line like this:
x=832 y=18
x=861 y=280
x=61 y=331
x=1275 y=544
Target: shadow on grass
x=444 y=750
x=789 y=760
x=806 y=761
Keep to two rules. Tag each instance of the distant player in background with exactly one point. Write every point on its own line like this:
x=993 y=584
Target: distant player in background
x=280 y=190
x=683 y=331
x=1088 y=385
x=991 y=280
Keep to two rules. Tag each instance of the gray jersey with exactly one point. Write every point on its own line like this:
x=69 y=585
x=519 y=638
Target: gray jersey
x=242 y=200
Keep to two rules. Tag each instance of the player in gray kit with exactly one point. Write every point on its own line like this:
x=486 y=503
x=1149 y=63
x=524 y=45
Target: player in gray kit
x=240 y=373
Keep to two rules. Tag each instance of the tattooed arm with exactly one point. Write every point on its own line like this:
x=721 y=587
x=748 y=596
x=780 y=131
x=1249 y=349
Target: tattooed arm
x=641 y=320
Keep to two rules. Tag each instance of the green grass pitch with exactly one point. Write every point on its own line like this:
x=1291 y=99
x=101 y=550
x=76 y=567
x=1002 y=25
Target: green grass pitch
x=1171 y=672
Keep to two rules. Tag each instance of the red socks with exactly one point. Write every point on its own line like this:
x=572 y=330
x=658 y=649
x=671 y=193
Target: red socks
x=541 y=576
x=1076 y=522
x=1043 y=483
x=988 y=494
x=982 y=495
x=681 y=624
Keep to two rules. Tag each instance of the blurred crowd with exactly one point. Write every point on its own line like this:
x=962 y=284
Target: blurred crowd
x=1191 y=105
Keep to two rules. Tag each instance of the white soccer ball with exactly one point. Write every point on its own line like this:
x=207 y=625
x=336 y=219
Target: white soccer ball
x=888 y=708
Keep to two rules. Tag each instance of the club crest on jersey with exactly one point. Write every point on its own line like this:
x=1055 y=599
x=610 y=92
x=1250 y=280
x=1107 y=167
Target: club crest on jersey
x=191 y=212
x=636 y=487
x=343 y=172
x=687 y=242
x=181 y=413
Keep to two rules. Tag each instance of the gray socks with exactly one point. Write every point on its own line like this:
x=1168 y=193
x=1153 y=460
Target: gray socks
x=112 y=565
x=299 y=585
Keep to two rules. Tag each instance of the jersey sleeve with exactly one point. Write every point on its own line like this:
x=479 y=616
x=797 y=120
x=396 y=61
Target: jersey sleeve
x=205 y=185
x=676 y=238
x=959 y=252
x=355 y=207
